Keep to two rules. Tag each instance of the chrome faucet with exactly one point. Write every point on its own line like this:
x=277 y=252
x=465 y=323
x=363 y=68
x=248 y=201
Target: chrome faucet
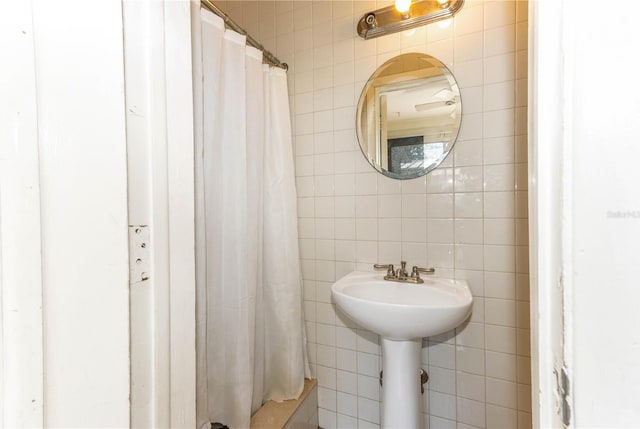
x=401 y=274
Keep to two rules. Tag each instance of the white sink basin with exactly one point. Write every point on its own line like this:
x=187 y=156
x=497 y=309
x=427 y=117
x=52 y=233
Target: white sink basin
x=403 y=311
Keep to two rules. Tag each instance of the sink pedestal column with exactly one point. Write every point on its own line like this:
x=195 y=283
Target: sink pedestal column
x=401 y=398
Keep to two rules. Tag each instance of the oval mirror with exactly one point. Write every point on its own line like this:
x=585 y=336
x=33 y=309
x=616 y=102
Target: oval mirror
x=408 y=116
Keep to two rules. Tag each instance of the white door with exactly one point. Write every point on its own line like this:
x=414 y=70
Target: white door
x=63 y=216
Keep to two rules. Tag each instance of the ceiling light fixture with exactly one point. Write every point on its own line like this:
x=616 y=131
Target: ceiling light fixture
x=406 y=14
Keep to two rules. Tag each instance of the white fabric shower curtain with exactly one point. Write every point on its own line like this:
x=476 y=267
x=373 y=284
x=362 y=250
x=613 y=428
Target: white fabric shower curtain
x=249 y=305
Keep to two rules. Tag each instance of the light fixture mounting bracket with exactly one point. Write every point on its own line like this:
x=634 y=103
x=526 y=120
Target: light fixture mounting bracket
x=388 y=20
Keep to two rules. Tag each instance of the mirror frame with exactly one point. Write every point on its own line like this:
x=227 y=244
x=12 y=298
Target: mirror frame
x=363 y=99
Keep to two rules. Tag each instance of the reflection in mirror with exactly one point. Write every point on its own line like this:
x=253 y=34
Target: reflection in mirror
x=408 y=116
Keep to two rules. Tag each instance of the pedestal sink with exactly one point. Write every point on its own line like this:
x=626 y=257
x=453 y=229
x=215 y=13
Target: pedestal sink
x=402 y=314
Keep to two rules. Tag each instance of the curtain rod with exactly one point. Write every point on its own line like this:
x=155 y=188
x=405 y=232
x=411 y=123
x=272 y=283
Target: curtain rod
x=268 y=56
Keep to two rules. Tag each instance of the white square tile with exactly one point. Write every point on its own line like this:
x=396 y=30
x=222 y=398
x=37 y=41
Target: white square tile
x=415 y=253
x=326 y=418
x=343 y=95
x=346 y=360
x=389 y=229
x=324 y=250
x=470 y=386
x=366 y=184
x=499 y=204
x=347 y=382
x=499 y=13
x=468 y=231
x=469 y=20
x=414 y=230
x=499 y=123
x=468 y=47
x=389 y=206
x=368 y=364
x=440 y=230
x=347 y=404
x=500 y=312
x=414 y=186
x=367 y=206
x=500 y=258
x=389 y=251
x=468 y=205
x=326 y=356
x=304 y=144
x=500 y=40
x=471 y=127
x=470 y=360
x=345 y=140
x=442 y=405
x=346 y=338
x=369 y=387
x=469 y=73
x=440 y=255
x=326 y=377
x=467 y=152
x=500 y=339
x=500 y=285
x=367 y=342
x=469 y=256
x=468 y=179
x=440 y=181
x=440 y=205
x=366 y=229
x=499 y=231
x=501 y=365
x=502 y=393
x=442 y=380
x=471 y=412
x=327 y=398
x=500 y=417
x=369 y=410
x=367 y=252
x=499 y=68
x=471 y=335
x=412 y=206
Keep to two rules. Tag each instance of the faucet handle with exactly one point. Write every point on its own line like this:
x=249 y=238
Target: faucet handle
x=417 y=270
x=388 y=267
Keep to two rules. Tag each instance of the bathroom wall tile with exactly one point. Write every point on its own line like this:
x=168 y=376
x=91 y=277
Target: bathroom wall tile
x=368 y=410
x=499 y=150
x=468 y=179
x=500 y=40
x=369 y=387
x=389 y=206
x=502 y=393
x=500 y=339
x=467 y=152
x=471 y=127
x=469 y=47
x=412 y=206
x=442 y=405
x=442 y=380
x=326 y=418
x=501 y=365
x=469 y=20
x=368 y=364
x=468 y=231
x=326 y=377
x=499 y=68
x=501 y=417
x=347 y=404
x=470 y=360
x=469 y=256
x=499 y=96
x=499 y=13
x=470 y=412
x=440 y=205
x=468 y=205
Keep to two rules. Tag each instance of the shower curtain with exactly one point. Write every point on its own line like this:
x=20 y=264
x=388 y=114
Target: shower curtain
x=250 y=336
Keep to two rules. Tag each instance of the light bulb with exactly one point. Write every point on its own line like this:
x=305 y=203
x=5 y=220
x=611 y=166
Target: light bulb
x=403 y=5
